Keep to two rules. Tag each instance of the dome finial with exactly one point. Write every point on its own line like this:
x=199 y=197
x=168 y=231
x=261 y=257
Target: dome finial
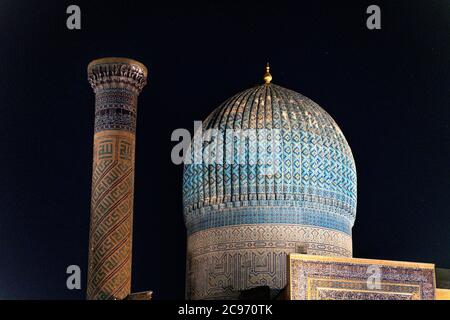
x=267 y=76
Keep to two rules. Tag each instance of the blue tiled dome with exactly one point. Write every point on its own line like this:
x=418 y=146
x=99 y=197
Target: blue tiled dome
x=294 y=167
x=270 y=174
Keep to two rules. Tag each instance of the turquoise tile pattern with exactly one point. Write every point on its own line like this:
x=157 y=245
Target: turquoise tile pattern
x=274 y=156
x=269 y=173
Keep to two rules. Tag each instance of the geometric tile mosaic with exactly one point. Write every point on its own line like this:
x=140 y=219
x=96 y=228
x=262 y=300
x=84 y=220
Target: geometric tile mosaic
x=337 y=278
x=266 y=156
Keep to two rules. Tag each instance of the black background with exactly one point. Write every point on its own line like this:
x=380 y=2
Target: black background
x=387 y=89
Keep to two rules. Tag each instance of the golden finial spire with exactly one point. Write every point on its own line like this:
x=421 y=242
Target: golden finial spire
x=267 y=76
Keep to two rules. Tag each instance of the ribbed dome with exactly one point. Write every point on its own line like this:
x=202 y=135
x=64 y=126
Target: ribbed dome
x=273 y=174
x=302 y=162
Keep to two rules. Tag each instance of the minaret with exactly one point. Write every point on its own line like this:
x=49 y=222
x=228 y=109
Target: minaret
x=117 y=83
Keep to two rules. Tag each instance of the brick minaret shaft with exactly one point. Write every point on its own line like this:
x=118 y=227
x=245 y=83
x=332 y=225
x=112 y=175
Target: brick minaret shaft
x=117 y=83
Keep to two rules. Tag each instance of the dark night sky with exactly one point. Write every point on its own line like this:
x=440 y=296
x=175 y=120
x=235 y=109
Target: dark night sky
x=388 y=90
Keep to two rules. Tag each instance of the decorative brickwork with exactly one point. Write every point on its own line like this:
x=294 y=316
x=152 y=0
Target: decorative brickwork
x=225 y=260
x=116 y=83
x=337 y=278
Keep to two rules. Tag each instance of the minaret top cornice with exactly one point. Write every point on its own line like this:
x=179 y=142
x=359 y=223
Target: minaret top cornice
x=114 y=72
